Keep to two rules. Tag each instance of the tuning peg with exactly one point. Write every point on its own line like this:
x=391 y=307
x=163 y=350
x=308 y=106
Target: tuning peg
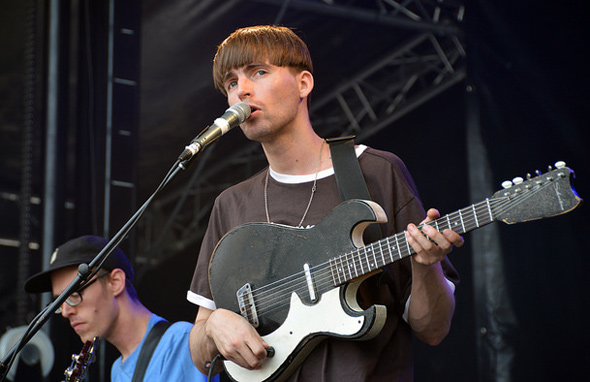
x=506 y=184
x=538 y=172
x=560 y=164
x=517 y=180
x=528 y=176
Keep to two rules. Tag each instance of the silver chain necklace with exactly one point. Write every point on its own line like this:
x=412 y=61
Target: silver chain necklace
x=313 y=189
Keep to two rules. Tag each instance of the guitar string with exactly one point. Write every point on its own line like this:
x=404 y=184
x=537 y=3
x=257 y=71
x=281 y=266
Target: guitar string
x=472 y=223
x=297 y=283
x=301 y=286
x=360 y=249
x=323 y=277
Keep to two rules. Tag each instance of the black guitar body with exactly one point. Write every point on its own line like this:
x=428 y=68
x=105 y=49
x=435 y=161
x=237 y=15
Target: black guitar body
x=271 y=257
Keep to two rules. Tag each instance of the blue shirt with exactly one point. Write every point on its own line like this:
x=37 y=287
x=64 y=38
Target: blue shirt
x=171 y=360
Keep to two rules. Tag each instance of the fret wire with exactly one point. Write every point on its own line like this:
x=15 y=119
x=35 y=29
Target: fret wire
x=369 y=265
x=388 y=249
x=361 y=264
x=489 y=209
x=475 y=215
x=332 y=263
x=368 y=262
x=375 y=260
x=397 y=245
x=354 y=258
x=348 y=267
x=367 y=250
x=382 y=250
x=407 y=243
x=333 y=271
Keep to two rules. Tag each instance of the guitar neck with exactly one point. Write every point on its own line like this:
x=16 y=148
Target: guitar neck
x=386 y=251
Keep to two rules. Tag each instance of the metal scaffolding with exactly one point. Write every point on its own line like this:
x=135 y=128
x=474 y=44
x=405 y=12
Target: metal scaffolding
x=406 y=77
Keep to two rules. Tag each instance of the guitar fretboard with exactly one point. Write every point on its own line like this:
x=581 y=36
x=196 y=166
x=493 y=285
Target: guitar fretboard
x=386 y=251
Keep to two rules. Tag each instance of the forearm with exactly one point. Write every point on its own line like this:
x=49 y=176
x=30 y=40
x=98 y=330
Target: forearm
x=432 y=303
x=202 y=348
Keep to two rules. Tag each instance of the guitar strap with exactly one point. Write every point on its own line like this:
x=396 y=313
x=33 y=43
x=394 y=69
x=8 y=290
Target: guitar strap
x=149 y=345
x=349 y=177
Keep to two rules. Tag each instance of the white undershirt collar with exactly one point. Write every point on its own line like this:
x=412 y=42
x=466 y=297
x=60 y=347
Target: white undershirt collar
x=296 y=179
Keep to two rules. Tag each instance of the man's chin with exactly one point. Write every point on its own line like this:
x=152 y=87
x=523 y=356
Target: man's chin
x=255 y=132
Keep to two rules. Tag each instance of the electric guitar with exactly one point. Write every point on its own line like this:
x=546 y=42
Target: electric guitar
x=77 y=370
x=298 y=286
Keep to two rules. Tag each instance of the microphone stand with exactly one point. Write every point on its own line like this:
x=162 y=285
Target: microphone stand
x=87 y=271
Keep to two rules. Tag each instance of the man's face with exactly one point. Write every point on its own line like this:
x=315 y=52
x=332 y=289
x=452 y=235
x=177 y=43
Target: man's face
x=94 y=316
x=274 y=93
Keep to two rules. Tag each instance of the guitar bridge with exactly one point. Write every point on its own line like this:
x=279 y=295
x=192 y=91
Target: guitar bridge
x=246 y=304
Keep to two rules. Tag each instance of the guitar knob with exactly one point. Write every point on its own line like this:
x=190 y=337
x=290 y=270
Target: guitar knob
x=560 y=164
x=270 y=352
x=517 y=180
x=506 y=184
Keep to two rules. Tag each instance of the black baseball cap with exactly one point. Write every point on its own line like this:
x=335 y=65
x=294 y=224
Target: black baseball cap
x=75 y=252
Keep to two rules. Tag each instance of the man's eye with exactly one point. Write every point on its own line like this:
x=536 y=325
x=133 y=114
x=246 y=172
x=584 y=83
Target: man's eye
x=231 y=84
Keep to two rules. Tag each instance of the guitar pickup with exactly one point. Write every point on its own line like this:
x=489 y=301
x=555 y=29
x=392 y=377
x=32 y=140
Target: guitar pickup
x=309 y=282
x=246 y=305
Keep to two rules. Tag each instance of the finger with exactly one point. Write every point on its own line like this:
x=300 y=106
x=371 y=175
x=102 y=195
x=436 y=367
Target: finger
x=442 y=243
x=416 y=239
x=258 y=351
x=430 y=245
x=410 y=236
x=243 y=356
x=452 y=236
x=426 y=237
x=431 y=214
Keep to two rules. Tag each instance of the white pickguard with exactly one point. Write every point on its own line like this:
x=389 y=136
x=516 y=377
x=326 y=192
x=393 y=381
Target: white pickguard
x=327 y=316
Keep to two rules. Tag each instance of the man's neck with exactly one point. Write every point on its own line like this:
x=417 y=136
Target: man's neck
x=299 y=154
x=130 y=327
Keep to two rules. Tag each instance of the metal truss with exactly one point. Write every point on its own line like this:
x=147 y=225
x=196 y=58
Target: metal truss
x=407 y=14
x=407 y=77
x=383 y=93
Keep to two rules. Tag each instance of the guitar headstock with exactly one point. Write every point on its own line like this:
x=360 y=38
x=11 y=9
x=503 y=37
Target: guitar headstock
x=77 y=370
x=542 y=196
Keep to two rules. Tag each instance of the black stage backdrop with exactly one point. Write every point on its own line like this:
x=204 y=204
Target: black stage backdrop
x=528 y=92
x=527 y=77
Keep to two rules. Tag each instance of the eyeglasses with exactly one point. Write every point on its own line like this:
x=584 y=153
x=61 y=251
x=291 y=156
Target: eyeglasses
x=76 y=297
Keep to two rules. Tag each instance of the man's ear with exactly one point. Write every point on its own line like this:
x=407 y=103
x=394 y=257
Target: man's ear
x=117 y=281
x=305 y=83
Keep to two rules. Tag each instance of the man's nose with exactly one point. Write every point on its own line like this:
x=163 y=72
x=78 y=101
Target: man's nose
x=67 y=310
x=244 y=87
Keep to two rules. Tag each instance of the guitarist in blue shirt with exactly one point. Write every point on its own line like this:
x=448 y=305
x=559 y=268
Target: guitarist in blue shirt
x=269 y=67
x=108 y=307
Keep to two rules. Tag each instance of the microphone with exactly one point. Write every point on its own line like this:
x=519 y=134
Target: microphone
x=233 y=116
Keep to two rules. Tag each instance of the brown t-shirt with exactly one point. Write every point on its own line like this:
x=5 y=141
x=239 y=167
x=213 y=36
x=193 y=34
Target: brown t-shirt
x=388 y=356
